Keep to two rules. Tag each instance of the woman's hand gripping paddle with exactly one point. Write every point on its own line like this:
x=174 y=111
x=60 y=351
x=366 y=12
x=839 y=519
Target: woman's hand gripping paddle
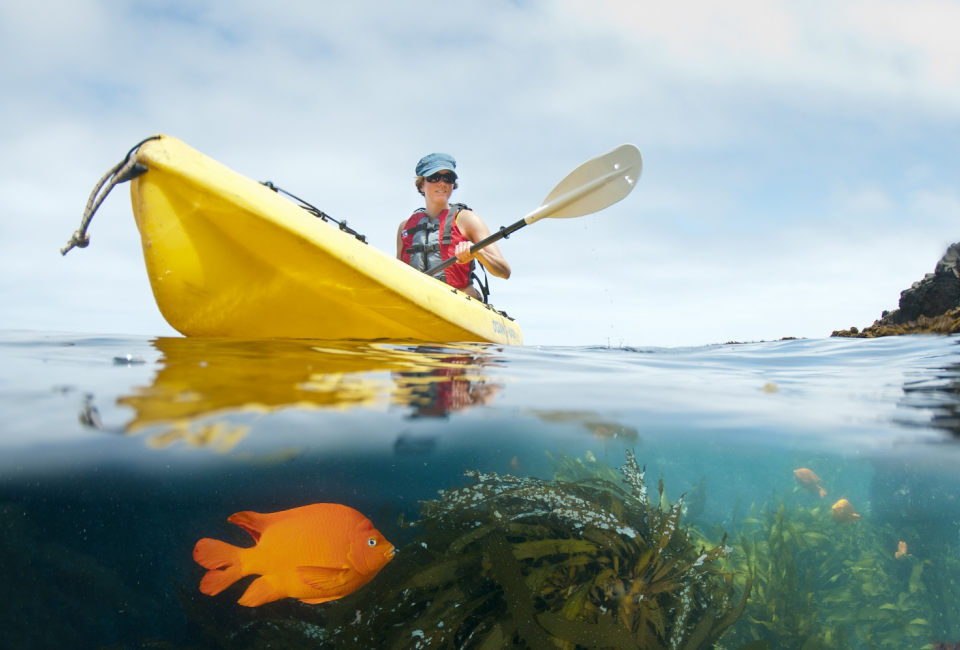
x=596 y=184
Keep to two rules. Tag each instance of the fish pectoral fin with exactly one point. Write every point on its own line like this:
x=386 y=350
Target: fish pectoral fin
x=323 y=578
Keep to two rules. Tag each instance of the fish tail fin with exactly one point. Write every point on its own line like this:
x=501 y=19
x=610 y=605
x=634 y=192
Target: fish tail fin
x=216 y=580
x=222 y=559
x=823 y=493
x=214 y=554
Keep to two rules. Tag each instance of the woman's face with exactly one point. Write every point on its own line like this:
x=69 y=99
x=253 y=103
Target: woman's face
x=440 y=190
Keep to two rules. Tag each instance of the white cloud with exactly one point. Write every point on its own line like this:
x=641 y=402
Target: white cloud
x=919 y=36
x=866 y=201
x=814 y=54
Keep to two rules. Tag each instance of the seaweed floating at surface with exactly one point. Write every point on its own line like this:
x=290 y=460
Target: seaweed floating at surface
x=526 y=562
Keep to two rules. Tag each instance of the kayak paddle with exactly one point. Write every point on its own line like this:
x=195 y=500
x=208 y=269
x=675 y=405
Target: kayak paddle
x=596 y=184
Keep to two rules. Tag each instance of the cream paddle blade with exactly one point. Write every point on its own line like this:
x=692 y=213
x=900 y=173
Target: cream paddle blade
x=596 y=184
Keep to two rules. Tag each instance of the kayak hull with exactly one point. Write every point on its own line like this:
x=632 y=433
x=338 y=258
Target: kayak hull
x=228 y=257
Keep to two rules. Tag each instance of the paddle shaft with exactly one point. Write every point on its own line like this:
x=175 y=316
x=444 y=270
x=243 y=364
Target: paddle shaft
x=503 y=233
x=596 y=184
x=545 y=210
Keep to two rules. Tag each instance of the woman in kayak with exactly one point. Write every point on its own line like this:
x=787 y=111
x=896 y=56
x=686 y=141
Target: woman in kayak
x=431 y=235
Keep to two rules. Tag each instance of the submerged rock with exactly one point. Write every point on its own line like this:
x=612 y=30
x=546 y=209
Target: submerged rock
x=931 y=305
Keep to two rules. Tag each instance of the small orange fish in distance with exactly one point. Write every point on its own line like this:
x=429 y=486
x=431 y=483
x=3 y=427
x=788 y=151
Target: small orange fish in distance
x=809 y=481
x=316 y=553
x=843 y=512
x=901 y=551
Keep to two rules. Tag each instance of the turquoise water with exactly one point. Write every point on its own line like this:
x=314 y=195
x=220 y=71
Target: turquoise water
x=118 y=453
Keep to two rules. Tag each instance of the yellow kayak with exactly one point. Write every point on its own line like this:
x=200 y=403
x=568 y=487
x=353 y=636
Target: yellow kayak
x=229 y=257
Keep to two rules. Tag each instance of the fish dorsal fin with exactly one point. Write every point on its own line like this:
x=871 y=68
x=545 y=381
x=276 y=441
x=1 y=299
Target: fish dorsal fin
x=323 y=578
x=253 y=522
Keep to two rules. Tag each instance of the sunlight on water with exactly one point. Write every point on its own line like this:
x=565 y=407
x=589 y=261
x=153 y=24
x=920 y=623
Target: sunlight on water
x=119 y=453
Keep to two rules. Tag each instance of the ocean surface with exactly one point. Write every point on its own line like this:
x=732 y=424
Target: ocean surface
x=567 y=497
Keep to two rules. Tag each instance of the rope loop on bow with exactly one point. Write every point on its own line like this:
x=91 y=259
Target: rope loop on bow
x=125 y=170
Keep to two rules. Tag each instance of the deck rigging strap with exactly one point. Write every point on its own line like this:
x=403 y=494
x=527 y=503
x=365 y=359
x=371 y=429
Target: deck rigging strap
x=317 y=212
x=483 y=284
x=125 y=170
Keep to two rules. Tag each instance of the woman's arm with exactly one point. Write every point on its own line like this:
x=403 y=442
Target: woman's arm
x=474 y=229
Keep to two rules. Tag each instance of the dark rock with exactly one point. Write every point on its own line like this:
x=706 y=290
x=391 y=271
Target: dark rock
x=929 y=305
x=936 y=294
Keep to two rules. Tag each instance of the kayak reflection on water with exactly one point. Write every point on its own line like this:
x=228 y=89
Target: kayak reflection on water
x=200 y=383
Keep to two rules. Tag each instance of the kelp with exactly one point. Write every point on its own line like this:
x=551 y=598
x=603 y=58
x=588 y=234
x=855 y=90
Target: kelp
x=819 y=584
x=570 y=469
x=584 y=561
x=525 y=562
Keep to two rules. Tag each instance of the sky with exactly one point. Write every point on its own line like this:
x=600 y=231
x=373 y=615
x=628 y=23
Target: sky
x=800 y=159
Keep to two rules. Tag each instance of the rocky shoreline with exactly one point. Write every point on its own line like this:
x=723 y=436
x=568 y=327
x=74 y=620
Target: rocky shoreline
x=930 y=306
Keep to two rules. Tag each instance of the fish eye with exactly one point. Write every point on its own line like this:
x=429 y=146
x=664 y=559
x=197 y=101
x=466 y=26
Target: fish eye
x=372 y=542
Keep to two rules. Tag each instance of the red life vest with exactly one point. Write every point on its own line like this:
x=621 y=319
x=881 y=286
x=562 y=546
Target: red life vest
x=427 y=243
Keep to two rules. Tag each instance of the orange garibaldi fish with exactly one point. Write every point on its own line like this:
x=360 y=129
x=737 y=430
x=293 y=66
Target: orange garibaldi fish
x=316 y=553
x=843 y=512
x=901 y=551
x=809 y=481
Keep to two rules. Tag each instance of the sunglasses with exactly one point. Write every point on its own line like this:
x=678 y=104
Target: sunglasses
x=450 y=178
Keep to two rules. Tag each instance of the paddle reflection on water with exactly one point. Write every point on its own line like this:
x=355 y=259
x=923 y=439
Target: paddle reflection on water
x=201 y=382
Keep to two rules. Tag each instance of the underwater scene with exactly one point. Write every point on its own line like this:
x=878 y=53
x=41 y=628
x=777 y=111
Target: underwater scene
x=198 y=493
